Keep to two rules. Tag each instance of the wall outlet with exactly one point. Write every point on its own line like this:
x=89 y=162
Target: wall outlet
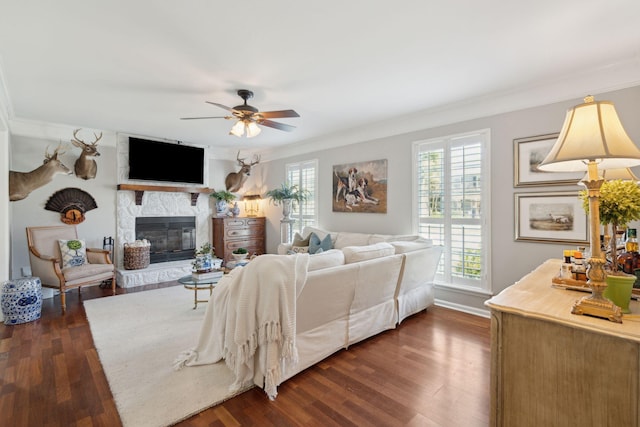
x=26 y=271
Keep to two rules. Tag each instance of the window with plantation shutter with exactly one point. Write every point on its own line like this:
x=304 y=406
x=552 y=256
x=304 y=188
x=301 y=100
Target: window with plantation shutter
x=305 y=176
x=452 y=200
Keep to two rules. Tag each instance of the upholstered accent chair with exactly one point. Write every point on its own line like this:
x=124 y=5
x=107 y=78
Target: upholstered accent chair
x=86 y=266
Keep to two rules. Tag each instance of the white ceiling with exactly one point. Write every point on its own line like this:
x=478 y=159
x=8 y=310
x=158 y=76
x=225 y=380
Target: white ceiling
x=138 y=66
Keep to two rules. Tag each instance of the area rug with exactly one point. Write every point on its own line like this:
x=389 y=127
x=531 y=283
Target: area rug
x=138 y=336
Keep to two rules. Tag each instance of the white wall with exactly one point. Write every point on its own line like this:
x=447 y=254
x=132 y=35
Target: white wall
x=27 y=154
x=5 y=230
x=510 y=259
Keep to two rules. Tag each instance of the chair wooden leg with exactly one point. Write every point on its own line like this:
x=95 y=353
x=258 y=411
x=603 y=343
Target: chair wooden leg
x=113 y=284
x=63 y=300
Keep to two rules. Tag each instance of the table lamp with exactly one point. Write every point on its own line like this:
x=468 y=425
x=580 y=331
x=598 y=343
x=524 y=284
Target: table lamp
x=592 y=137
x=252 y=204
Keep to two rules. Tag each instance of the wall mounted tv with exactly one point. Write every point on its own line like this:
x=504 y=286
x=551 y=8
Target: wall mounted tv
x=163 y=161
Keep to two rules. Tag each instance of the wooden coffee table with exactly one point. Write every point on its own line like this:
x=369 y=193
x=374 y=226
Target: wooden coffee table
x=190 y=283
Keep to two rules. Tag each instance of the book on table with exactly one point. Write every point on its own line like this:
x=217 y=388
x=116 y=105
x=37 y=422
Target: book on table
x=213 y=274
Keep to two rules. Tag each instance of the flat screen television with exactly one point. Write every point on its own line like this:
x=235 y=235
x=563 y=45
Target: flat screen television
x=163 y=161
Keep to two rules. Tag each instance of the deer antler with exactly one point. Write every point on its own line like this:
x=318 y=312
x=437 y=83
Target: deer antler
x=256 y=161
x=75 y=137
x=240 y=160
x=97 y=138
x=55 y=152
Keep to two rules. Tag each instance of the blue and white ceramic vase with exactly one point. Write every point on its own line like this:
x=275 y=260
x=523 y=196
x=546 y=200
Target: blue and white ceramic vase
x=221 y=207
x=236 y=209
x=21 y=300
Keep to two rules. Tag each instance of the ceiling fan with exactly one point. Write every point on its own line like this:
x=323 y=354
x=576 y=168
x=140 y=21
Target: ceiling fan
x=249 y=117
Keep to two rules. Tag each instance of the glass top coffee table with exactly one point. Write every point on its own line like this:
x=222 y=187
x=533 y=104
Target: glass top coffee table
x=190 y=283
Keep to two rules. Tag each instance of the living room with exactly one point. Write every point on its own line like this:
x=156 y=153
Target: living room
x=511 y=259
x=518 y=109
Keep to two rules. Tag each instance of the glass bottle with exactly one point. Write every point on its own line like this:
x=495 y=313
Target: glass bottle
x=566 y=267
x=631 y=244
x=629 y=261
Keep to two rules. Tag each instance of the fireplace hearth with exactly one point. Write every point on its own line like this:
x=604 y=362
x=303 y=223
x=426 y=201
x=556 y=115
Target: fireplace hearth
x=172 y=238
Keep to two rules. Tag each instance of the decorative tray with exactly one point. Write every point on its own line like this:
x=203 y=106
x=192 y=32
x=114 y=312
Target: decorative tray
x=581 y=285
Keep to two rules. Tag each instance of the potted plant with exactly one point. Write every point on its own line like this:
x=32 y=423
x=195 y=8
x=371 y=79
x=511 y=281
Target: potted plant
x=285 y=195
x=204 y=258
x=619 y=205
x=239 y=254
x=223 y=198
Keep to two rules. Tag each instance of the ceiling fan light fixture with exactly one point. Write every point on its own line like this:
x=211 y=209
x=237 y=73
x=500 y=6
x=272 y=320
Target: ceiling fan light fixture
x=252 y=129
x=237 y=129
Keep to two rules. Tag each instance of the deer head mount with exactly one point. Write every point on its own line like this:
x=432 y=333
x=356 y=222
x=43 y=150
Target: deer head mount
x=235 y=180
x=86 y=167
x=23 y=183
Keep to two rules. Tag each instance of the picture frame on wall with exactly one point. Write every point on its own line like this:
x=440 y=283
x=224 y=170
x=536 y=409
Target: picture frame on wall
x=554 y=217
x=360 y=187
x=528 y=153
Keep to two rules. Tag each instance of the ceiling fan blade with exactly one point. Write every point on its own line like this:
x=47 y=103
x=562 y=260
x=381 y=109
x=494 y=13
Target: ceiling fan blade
x=276 y=125
x=278 y=114
x=221 y=106
x=213 y=117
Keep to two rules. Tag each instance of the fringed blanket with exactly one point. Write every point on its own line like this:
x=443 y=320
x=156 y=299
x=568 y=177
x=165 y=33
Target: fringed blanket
x=250 y=322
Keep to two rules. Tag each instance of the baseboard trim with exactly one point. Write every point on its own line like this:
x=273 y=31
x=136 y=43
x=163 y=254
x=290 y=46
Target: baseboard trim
x=464 y=308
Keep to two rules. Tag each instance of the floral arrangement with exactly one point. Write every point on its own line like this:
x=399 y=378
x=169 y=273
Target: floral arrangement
x=619 y=205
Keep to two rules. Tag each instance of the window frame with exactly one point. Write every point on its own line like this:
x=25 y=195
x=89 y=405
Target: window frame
x=447 y=142
x=300 y=220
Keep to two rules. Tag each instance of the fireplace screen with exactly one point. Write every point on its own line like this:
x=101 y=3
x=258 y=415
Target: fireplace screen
x=172 y=238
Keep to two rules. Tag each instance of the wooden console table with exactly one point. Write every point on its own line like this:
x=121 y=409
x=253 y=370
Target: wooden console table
x=553 y=368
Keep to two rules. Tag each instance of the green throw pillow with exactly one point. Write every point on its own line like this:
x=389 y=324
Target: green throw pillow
x=316 y=244
x=298 y=240
x=74 y=252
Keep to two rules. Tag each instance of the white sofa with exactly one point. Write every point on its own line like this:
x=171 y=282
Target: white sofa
x=366 y=284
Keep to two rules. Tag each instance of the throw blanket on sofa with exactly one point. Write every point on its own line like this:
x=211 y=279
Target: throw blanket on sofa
x=250 y=321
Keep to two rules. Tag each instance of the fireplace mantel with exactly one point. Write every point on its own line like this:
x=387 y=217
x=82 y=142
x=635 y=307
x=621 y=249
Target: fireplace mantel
x=140 y=189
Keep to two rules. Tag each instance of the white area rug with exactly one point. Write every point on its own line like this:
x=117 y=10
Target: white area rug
x=138 y=336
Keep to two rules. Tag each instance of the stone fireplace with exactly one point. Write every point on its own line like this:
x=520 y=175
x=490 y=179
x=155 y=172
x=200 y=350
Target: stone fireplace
x=186 y=235
x=137 y=201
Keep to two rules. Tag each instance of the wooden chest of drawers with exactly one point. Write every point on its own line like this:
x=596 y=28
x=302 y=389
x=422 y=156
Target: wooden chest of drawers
x=230 y=233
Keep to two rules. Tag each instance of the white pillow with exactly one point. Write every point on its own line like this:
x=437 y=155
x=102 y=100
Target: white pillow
x=326 y=259
x=298 y=250
x=74 y=252
x=346 y=238
x=362 y=253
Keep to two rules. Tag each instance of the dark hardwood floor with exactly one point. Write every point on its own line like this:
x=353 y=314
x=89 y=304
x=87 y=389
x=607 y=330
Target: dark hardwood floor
x=432 y=370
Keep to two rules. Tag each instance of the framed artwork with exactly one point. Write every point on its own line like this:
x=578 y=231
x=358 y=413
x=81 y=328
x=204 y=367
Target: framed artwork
x=360 y=187
x=551 y=217
x=528 y=153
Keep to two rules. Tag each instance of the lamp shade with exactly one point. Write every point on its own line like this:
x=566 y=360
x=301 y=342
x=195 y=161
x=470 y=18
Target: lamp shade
x=591 y=132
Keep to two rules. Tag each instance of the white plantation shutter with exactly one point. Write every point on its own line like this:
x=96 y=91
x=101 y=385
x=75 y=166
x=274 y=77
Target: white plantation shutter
x=305 y=176
x=452 y=199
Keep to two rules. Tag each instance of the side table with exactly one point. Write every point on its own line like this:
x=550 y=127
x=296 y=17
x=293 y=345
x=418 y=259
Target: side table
x=195 y=285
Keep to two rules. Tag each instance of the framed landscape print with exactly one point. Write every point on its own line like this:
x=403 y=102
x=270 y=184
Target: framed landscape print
x=528 y=153
x=551 y=217
x=360 y=187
